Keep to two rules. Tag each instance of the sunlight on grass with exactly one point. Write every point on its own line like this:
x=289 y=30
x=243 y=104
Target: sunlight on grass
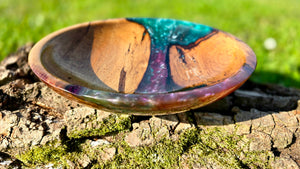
x=252 y=21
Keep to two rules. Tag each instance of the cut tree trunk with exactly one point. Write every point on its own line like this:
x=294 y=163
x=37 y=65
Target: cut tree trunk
x=257 y=126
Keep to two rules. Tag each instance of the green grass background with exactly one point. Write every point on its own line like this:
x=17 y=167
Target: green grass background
x=252 y=21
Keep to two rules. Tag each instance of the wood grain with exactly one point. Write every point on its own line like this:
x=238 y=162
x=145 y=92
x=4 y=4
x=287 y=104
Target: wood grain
x=120 y=54
x=213 y=60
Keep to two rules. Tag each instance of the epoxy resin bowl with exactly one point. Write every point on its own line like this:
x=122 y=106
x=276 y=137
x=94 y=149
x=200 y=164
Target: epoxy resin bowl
x=143 y=66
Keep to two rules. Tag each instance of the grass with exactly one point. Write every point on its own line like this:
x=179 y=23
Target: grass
x=253 y=21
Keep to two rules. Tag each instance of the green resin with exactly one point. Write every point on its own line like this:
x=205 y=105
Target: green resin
x=164 y=32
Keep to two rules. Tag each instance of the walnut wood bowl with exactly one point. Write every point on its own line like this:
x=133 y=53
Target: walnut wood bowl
x=142 y=66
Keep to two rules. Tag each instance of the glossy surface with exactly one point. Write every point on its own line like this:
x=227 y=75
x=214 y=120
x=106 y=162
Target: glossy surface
x=142 y=65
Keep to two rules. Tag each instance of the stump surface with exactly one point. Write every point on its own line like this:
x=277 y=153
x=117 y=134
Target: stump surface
x=257 y=126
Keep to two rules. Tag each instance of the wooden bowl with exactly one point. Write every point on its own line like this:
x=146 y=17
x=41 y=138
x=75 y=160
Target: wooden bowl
x=142 y=66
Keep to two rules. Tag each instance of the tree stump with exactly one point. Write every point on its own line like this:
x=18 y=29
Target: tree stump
x=257 y=126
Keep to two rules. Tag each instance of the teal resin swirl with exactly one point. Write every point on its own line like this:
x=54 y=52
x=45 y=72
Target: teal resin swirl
x=163 y=34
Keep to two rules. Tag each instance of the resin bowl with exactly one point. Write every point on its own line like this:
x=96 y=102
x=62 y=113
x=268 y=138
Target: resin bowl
x=143 y=66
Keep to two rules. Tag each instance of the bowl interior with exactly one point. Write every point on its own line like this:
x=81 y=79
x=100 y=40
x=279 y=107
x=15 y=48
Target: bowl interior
x=143 y=56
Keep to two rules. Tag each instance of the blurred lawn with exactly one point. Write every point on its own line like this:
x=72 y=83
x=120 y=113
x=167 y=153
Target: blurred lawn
x=252 y=21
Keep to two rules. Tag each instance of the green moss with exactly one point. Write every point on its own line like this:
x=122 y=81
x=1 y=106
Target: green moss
x=111 y=125
x=215 y=147
x=194 y=148
x=51 y=153
x=258 y=159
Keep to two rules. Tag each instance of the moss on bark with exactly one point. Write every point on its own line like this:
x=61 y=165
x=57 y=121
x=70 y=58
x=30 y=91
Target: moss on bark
x=195 y=147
